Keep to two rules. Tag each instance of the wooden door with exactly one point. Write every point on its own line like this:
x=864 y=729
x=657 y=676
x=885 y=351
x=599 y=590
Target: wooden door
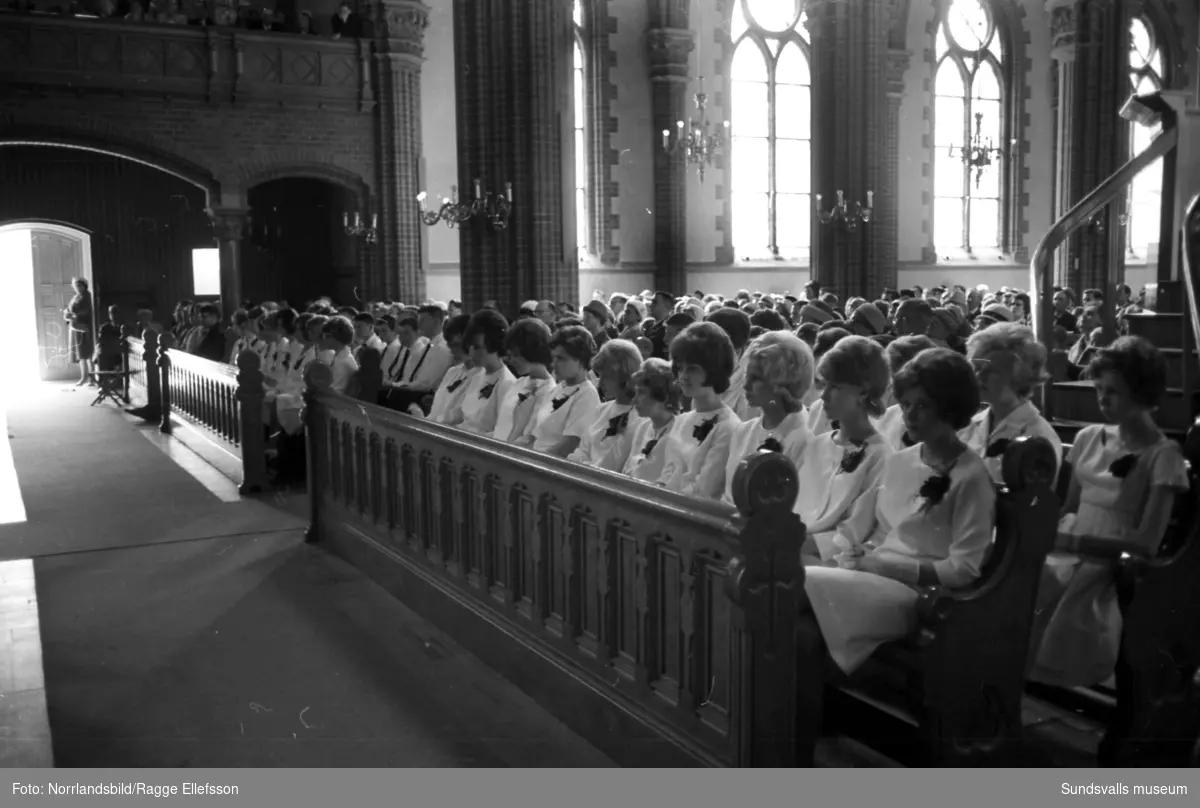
x=57 y=259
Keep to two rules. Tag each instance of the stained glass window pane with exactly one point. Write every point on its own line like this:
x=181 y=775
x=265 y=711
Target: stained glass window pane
x=948 y=223
x=986 y=83
x=580 y=159
x=948 y=122
x=792 y=67
x=793 y=112
x=1141 y=45
x=950 y=80
x=985 y=223
x=748 y=63
x=750 y=165
x=751 y=218
x=793 y=166
x=773 y=15
x=581 y=221
x=578 y=13
x=947 y=174
x=793 y=220
x=750 y=110
x=1146 y=85
x=968 y=23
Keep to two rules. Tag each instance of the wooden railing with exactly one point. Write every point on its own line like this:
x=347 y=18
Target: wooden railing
x=663 y=629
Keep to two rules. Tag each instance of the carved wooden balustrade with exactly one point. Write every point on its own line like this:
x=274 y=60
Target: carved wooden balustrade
x=660 y=627
x=212 y=64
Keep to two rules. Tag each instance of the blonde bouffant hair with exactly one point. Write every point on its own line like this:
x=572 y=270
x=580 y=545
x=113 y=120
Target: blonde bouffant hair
x=785 y=362
x=1012 y=349
x=859 y=362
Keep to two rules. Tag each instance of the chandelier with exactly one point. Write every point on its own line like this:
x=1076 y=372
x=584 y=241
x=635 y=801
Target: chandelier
x=494 y=208
x=697 y=144
x=841 y=211
x=358 y=228
x=979 y=154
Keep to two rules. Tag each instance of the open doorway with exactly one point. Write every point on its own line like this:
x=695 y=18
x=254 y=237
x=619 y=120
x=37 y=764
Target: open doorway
x=37 y=263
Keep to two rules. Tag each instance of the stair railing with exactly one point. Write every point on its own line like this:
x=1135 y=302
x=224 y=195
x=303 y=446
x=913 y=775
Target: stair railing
x=1041 y=276
x=1191 y=265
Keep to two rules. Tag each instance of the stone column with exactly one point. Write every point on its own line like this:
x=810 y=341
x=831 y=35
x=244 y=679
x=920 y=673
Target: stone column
x=1062 y=37
x=887 y=215
x=398 y=272
x=229 y=228
x=851 y=106
x=669 y=82
x=514 y=120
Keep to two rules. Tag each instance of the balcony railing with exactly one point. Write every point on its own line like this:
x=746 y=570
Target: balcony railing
x=217 y=65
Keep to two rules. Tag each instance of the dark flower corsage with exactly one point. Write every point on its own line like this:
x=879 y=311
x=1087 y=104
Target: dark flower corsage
x=834 y=426
x=1121 y=467
x=997 y=448
x=616 y=424
x=906 y=440
x=487 y=391
x=450 y=388
x=704 y=429
x=523 y=397
x=649 y=447
x=933 y=491
x=852 y=459
x=287 y=362
x=771 y=444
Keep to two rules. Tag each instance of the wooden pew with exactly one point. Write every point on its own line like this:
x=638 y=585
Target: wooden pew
x=1153 y=716
x=951 y=694
x=662 y=629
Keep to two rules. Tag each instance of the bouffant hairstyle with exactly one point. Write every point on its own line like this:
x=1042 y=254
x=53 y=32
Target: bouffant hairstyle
x=1139 y=364
x=860 y=362
x=827 y=338
x=808 y=332
x=269 y=322
x=302 y=323
x=707 y=346
x=577 y=342
x=567 y=322
x=947 y=379
x=339 y=328
x=621 y=357
x=658 y=380
x=287 y=321
x=733 y=322
x=901 y=350
x=317 y=323
x=493 y=327
x=530 y=340
x=769 y=319
x=455 y=327
x=785 y=362
x=1014 y=350
x=239 y=318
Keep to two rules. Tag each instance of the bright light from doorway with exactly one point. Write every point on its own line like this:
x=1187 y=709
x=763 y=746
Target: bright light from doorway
x=16 y=289
x=206 y=272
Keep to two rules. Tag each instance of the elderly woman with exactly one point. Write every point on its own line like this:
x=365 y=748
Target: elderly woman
x=568 y=412
x=1009 y=364
x=607 y=444
x=1126 y=476
x=840 y=465
x=656 y=400
x=527 y=347
x=703 y=358
x=929 y=520
x=484 y=340
x=779 y=372
x=78 y=315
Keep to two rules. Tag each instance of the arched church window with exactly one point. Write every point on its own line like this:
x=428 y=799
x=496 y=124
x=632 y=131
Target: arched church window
x=770 y=169
x=1144 y=204
x=579 y=97
x=970 y=133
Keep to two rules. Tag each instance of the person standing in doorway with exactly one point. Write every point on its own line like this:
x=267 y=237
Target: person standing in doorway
x=78 y=315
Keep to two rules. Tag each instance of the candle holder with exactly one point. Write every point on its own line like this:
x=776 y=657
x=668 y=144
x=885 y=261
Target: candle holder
x=698 y=146
x=979 y=154
x=841 y=212
x=357 y=228
x=491 y=207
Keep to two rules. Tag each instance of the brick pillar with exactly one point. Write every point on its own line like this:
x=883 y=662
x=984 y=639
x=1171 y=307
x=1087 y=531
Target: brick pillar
x=1098 y=136
x=851 y=106
x=514 y=118
x=669 y=81
x=229 y=228
x=398 y=273
x=1062 y=34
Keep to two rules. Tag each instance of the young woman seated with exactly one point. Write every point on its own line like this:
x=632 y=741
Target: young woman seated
x=448 y=398
x=1009 y=363
x=736 y=324
x=656 y=399
x=279 y=361
x=1125 y=476
x=818 y=420
x=239 y=329
x=929 y=520
x=779 y=372
x=703 y=359
x=337 y=336
x=890 y=425
x=480 y=406
x=841 y=465
x=606 y=443
x=568 y=412
x=527 y=346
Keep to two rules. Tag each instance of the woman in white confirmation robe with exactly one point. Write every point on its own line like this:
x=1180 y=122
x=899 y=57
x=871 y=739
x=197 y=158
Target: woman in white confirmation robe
x=656 y=398
x=607 y=444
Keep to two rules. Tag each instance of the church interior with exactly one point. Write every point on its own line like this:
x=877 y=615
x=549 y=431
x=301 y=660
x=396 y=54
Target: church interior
x=598 y=383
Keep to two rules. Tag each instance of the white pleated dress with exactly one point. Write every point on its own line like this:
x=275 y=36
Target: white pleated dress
x=834 y=475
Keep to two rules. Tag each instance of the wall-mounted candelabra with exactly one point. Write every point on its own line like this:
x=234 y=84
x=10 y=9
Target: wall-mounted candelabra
x=1098 y=224
x=698 y=145
x=841 y=212
x=358 y=229
x=978 y=155
x=495 y=208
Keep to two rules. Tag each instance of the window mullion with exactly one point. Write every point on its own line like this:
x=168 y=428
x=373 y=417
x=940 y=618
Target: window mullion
x=966 y=173
x=772 y=206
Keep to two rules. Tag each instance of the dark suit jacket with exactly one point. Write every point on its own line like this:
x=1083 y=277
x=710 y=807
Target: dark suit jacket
x=212 y=347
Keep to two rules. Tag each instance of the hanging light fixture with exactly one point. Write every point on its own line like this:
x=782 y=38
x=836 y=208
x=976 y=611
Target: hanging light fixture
x=696 y=142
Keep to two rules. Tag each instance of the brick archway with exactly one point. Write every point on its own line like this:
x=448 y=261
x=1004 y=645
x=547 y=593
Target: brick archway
x=257 y=172
x=114 y=146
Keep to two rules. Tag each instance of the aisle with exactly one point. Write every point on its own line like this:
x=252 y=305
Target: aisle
x=89 y=481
